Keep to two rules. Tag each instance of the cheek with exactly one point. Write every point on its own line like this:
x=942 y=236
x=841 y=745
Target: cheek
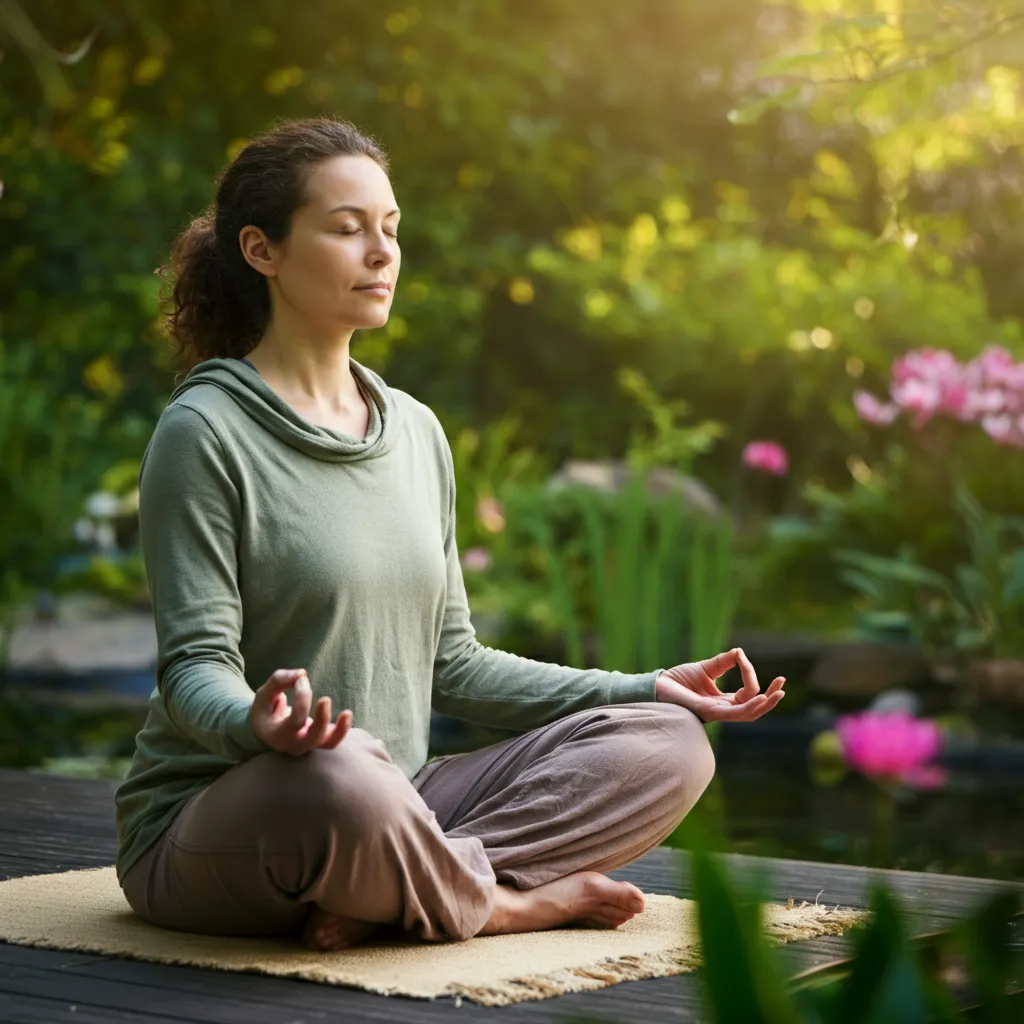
x=320 y=267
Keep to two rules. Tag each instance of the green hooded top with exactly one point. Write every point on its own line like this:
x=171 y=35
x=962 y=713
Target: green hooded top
x=270 y=542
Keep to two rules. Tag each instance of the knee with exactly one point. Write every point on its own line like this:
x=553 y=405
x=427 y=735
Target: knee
x=353 y=783
x=691 y=738
x=684 y=749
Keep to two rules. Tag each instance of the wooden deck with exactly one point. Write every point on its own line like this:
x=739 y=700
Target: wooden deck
x=50 y=824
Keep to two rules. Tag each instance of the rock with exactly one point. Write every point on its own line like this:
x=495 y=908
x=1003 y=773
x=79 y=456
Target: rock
x=126 y=640
x=896 y=700
x=864 y=669
x=612 y=476
x=997 y=678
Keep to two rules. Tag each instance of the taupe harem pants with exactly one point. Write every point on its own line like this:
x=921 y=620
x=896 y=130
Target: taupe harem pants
x=345 y=830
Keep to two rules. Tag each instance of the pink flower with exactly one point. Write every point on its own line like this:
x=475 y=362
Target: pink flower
x=995 y=364
x=890 y=745
x=923 y=397
x=476 y=559
x=872 y=410
x=928 y=382
x=999 y=428
x=766 y=457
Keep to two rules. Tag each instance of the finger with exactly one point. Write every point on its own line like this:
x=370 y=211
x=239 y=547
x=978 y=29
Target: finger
x=737 y=712
x=763 y=709
x=776 y=685
x=751 y=687
x=339 y=732
x=318 y=726
x=278 y=707
x=763 y=706
x=281 y=680
x=301 y=702
x=720 y=663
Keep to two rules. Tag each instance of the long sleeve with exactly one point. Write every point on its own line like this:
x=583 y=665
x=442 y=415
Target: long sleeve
x=188 y=519
x=495 y=688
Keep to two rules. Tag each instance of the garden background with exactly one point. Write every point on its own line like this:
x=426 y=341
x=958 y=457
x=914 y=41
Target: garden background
x=721 y=308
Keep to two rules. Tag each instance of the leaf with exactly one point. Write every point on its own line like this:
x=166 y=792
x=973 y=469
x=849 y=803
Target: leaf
x=740 y=976
x=863 y=583
x=860 y=22
x=885 y=982
x=1013 y=590
x=795 y=61
x=750 y=113
x=974 y=585
x=986 y=937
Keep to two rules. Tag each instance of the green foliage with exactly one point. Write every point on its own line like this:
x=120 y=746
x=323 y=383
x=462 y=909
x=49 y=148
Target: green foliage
x=977 y=609
x=488 y=464
x=579 y=214
x=123 y=579
x=647 y=578
x=888 y=977
x=33 y=731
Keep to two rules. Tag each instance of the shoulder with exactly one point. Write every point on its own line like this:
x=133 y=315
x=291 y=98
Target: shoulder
x=205 y=402
x=188 y=435
x=419 y=417
x=199 y=416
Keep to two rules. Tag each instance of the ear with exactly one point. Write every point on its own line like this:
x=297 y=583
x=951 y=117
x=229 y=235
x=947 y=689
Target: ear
x=257 y=250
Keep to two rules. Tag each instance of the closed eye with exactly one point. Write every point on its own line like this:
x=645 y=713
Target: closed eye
x=390 y=234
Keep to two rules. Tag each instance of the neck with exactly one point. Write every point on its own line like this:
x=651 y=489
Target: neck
x=302 y=364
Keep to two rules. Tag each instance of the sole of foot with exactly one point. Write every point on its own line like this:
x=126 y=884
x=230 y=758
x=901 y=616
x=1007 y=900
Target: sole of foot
x=585 y=899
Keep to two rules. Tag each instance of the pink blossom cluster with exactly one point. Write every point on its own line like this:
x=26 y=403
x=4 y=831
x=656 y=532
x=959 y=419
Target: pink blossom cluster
x=928 y=382
x=893 y=745
x=766 y=457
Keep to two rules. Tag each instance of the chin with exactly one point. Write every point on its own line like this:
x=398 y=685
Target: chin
x=363 y=320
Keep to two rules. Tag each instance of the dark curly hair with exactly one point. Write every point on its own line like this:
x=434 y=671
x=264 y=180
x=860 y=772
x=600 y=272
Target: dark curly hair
x=219 y=305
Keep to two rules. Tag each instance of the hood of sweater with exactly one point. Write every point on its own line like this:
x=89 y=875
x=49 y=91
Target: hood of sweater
x=263 y=405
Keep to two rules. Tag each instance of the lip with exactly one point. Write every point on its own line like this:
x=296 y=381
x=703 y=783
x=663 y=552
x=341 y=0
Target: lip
x=381 y=288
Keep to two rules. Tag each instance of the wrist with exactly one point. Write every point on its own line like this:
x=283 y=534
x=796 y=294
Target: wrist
x=659 y=685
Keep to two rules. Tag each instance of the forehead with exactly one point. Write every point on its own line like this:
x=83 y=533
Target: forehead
x=350 y=179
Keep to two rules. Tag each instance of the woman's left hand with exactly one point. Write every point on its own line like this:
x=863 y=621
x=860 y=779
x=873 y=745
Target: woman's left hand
x=693 y=686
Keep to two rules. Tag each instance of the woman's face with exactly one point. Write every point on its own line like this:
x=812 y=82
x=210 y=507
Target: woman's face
x=342 y=239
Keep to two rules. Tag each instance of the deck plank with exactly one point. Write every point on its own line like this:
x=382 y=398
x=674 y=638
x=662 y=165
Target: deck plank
x=50 y=824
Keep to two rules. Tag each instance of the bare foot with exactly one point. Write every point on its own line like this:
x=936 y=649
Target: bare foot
x=324 y=931
x=585 y=898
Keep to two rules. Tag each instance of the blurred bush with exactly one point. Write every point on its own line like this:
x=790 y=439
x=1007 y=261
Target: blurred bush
x=579 y=204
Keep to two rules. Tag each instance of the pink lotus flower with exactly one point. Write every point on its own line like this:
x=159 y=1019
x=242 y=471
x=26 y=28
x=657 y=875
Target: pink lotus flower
x=766 y=457
x=893 y=745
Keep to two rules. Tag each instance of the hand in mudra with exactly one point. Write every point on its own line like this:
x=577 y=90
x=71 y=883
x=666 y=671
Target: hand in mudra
x=291 y=730
x=693 y=686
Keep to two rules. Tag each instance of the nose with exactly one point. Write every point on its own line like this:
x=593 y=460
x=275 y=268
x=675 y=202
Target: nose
x=381 y=251
x=381 y=256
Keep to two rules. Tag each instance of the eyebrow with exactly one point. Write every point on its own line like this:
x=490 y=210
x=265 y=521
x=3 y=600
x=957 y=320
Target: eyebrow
x=359 y=209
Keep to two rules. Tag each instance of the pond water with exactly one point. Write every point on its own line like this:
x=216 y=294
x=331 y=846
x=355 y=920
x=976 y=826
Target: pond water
x=973 y=826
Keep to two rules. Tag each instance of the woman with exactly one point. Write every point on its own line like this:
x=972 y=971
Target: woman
x=296 y=511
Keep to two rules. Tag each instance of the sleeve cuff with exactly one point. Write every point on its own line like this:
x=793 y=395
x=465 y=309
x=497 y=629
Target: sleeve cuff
x=635 y=689
x=241 y=733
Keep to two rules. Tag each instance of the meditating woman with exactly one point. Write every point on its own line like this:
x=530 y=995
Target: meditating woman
x=298 y=527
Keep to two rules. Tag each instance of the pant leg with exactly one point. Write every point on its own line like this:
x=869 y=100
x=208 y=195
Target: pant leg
x=593 y=790
x=342 y=829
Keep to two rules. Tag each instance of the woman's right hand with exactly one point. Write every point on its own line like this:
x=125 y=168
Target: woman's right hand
x=291 y=730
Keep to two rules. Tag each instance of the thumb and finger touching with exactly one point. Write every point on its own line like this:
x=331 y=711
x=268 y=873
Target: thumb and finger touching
x=293 y=729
